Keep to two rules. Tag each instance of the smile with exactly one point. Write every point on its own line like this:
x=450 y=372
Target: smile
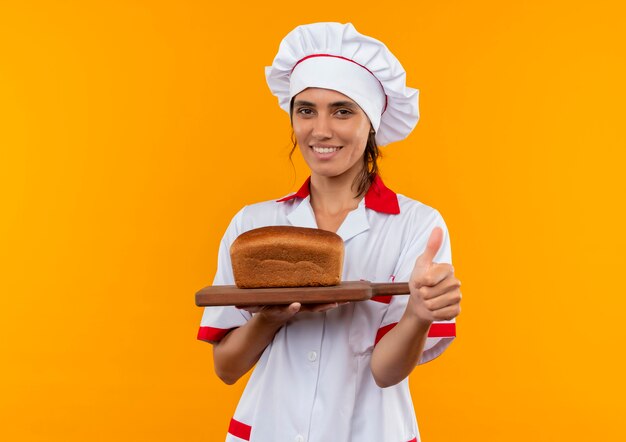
x=322 y=149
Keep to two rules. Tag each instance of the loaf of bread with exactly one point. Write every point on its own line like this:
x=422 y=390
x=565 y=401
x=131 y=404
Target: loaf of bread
x=285 y=256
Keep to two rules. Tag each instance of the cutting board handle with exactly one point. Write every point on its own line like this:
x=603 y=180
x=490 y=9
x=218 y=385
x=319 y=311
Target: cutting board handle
x=390 y=288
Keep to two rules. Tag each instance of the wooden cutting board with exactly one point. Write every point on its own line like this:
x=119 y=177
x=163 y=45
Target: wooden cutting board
x=344 y=292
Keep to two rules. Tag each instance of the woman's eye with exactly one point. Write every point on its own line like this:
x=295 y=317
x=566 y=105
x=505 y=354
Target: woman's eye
x=344 y=112
x=305 y=111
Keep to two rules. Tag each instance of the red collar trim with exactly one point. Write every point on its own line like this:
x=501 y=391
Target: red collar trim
x=303 y=192
x=381 y=199
x=378 y=197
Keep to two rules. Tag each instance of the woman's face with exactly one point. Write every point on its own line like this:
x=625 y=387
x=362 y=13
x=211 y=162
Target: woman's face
x=331 y=130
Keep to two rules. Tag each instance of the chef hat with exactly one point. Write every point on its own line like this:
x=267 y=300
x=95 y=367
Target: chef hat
x=335 y=56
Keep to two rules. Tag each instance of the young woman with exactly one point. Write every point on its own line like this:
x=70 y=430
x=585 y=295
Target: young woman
x=335 y=372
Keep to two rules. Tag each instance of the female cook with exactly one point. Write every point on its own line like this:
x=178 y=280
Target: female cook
x=339 y=372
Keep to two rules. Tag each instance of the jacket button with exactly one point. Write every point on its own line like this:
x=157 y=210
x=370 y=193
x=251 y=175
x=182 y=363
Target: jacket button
x=312 y=356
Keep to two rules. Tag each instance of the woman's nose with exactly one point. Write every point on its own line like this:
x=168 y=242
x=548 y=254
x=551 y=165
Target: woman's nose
x=322 y=127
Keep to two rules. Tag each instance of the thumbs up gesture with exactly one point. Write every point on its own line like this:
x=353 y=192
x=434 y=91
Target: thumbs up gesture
x=435 y=292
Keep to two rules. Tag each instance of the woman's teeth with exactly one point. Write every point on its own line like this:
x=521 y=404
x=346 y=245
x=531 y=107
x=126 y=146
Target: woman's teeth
x=325 y=149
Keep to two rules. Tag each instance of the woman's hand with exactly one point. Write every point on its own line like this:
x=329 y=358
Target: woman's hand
x=435 y=292
x=280 y=314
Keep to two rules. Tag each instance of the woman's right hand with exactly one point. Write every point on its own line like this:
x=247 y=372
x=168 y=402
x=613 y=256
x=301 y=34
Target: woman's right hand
x=280 y=314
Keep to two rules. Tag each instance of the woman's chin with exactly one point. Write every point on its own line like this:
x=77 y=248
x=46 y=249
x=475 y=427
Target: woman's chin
x=332 y=172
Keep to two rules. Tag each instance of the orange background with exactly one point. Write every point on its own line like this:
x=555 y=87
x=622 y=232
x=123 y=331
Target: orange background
x=131 y=132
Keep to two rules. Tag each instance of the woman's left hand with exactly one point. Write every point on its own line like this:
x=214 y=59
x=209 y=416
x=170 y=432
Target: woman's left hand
x=435 y=291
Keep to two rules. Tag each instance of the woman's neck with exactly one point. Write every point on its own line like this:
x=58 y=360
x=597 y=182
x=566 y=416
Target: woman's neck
x=332 y=198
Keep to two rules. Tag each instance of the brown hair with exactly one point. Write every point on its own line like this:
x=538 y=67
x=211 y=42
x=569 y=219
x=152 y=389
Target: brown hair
x=370 y=160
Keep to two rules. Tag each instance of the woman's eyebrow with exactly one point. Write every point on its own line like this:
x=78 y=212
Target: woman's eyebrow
x=349 y=104
x=303 y=103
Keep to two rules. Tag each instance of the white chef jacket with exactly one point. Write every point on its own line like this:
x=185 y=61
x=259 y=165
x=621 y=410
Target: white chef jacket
x=313 y=383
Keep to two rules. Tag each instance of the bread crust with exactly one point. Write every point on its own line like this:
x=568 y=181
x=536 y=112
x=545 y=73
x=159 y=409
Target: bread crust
x=287 y=256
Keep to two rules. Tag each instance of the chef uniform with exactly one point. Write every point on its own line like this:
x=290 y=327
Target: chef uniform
x=313 y=382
